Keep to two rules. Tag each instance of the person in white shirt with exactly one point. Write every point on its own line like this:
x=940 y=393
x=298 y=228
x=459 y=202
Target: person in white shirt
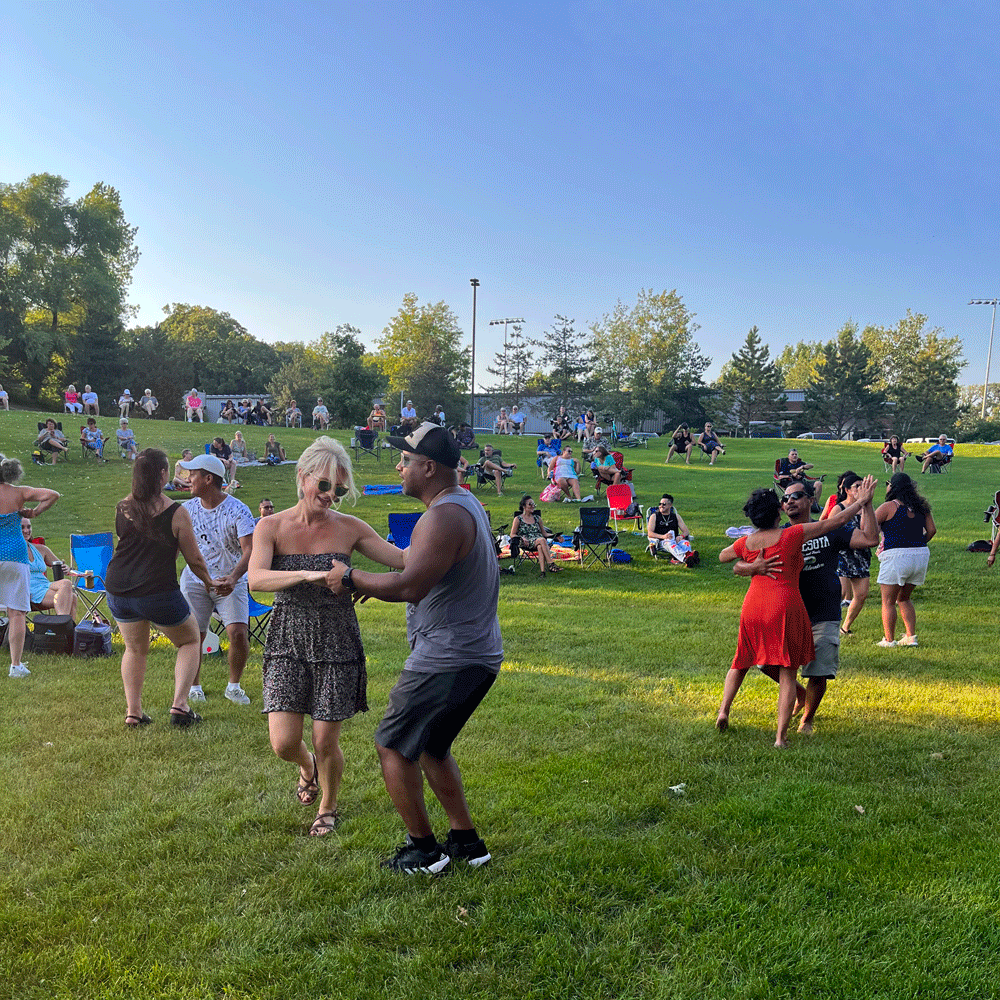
x=407 y=418
x=293 y=415
x=125 y=402
x=321 y=414
x=223 y=527
x=4 y=398
x=148 y=402
x=90 y=403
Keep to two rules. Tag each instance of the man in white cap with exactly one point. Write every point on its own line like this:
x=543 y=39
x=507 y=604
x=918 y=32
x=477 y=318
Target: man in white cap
x=223 y=527
x=321 y=415
x=408 y=418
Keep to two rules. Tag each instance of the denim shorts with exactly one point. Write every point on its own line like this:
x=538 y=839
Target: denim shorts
x=166 y=609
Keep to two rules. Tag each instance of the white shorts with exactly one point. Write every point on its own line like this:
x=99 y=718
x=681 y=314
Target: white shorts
x=233 y=609
x=15 y=589
x=903 y=566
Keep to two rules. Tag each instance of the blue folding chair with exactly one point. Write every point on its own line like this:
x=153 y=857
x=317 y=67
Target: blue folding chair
x=260 y=617
x=401 y=528
x=91 y=554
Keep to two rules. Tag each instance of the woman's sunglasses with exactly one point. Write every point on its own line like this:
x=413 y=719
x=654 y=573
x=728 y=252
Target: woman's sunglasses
x=325 y=486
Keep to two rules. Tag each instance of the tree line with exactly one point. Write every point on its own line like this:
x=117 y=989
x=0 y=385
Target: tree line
x=66 y=266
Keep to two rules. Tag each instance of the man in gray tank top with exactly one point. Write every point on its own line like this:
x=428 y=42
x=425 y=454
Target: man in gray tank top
x=451 y=584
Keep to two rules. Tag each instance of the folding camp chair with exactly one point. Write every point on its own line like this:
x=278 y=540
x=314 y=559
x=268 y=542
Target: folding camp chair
x=90 y=554
x=366 y=441
x=593 y=539
x=62 y=456
x=619 y=500
x=401 y=528
x=992 y=516
x=484 y=478
x=260 y=617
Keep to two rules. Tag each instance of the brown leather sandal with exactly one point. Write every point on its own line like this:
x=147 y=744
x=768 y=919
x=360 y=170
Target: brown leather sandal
x=324 y=823
x=308 y=791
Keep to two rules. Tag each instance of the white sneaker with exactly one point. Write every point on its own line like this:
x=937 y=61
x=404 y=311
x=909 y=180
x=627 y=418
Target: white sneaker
x=908 y=640
x=589 y=499
x=196 y=694
x=18 y=670
x=885 y=643
x=237 y=695
x=845 y=604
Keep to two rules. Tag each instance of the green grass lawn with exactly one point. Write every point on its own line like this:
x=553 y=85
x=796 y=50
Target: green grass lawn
x=860 y=863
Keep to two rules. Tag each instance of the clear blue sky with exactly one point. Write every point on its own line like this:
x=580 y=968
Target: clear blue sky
x=789 y=166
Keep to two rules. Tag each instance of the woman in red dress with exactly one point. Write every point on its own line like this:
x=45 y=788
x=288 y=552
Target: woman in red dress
x=775 y=631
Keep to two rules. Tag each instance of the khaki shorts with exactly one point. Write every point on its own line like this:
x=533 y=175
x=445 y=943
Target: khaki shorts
x=826 y=639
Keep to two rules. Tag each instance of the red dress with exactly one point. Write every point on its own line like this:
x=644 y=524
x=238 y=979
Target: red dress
x=774 y=626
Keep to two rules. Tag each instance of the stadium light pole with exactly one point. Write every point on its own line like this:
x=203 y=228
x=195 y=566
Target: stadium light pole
x=497 y=322
x=989 y=352
x=472 y=394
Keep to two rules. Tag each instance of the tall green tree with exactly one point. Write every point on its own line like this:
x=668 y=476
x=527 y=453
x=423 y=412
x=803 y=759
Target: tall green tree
x=566 y=363
x=840 y=396
x=302 y=374
x=58 y=261
x=511 y=368
x=798 y=363
x=751 y=384
x=421 y=356
x=646 y=358
x=354 y=378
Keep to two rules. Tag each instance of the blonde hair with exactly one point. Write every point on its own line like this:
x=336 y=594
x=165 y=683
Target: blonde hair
x=11 y=470
x=325 y=455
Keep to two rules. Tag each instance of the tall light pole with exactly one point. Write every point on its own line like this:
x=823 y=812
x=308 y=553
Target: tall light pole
x=989 y=352
x=472 y=395
x=497 y=322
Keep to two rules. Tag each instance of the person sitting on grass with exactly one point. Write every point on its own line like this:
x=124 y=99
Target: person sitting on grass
x=664 y=519
x=527 y=526
x=92 y=438
x=605 y=469
x=274 y=454
x=59 y=595
x=224 y=453
x=496 y=467
x=182 y=476
x=52 y=440
x=126 y=440
x=465 y=437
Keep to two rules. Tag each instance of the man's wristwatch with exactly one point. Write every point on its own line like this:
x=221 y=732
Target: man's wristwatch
x=346 y=582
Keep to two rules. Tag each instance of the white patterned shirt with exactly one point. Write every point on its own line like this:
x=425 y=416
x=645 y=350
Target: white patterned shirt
x=218 y=532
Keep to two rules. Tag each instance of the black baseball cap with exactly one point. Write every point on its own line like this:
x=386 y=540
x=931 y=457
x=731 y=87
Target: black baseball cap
x=432 y=441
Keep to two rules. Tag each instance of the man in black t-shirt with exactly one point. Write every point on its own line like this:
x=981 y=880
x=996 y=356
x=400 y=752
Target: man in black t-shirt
x=819 y=586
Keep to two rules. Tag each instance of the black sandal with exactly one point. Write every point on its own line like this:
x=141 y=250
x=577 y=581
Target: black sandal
x=137 y=721
x=183 y=717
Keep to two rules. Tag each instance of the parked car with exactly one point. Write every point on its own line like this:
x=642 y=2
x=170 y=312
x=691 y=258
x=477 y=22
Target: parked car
x=816 y=436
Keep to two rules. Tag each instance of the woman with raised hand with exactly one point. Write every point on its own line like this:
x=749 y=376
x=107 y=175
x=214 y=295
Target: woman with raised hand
x=774 y=626
x=314 y=662
x=143 y=590
x=907 y=527
x=15 y=586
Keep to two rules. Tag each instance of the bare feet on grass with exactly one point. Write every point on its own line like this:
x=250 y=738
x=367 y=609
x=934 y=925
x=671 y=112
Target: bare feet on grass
x=722 y=723
x=806 y=727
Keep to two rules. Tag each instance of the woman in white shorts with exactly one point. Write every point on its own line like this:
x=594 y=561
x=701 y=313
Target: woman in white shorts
x=907 y=526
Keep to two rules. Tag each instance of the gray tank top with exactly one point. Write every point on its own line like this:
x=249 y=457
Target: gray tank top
x=456 y=625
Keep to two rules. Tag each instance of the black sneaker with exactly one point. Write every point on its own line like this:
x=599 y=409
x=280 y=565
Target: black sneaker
x=475 y=854
x=410 y=860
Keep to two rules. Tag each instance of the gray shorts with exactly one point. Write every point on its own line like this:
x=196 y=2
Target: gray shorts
x=232 y=609
x=826 y=639
x=427 y=711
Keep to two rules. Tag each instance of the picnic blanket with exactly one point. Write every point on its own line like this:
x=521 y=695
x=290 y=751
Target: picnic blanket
x=381 y=491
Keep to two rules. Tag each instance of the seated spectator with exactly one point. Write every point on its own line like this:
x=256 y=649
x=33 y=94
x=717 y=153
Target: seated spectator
x=182 y=476
x=664 y=519
x=125 y=402
x=562 y=426
x=243 y=411
x=438 y=415
x=938 y=455
x=293 y=415
x=793 y=469
x=266 y=508
x=605 y=469
x=502 y=424
x=194 y=405
x=148 y=403
x=52 y=440
x=239 y=450
x=566 y=475
x=377 y=419
x=127 y=443
x=274 y=454
x=516 y=421
x=548 y=451
x=710 y=444
x=60 y=594
x=527 y=527
x=321 y=415
x=90 y=402
x=894 y=453
x=589 y=448
x=464 y=469
x=4 y=398
x=92 y=438
x=465 y=437
x=580 y=427
x=228 y=411
x=261 y=414
x=224 y=453
x=682 y=441
x=589 y=424
x=495 y=466
x=408 y=418
x=72 y=402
